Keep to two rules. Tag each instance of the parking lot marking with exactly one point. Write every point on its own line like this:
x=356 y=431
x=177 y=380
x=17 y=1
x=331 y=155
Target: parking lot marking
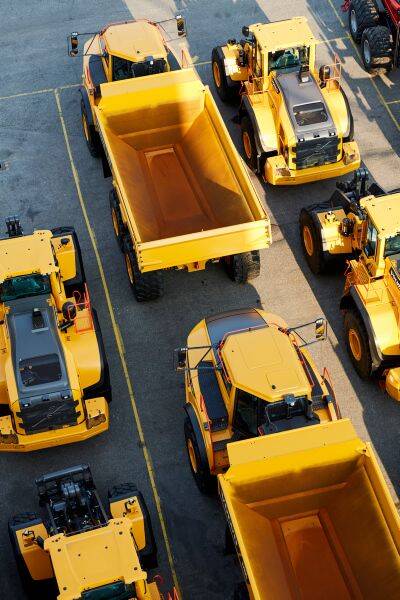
x=45 y=91
x=118 y=339
x=380 y=95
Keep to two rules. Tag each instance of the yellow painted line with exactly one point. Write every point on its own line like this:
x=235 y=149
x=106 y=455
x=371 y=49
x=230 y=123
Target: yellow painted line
x=118 y=339
x=393 y=102
x=380 y=95
x=35 y=92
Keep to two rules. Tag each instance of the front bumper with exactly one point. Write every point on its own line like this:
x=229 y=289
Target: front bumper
x=96 y=422
x=278 y=173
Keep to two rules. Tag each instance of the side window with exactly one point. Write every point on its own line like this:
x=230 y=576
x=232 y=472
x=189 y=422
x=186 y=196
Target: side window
x=258 y=62
x=122 y=69
x=246 y=413
x=372 y=237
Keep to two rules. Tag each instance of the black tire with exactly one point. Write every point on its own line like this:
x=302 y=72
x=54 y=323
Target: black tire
x=362 y=14
x=103 y=387
x=89 y=133
x=363 y=362
x=249 y=143
x=45 y=589
x=199 y=467
x=311 y=243
x=78 y=282
x=226 y=92
x=243 y=267
x=377 y=48
x=116 y=217
x=145 y=286
x=350 y=134
x=241 y=592
x=148 y=554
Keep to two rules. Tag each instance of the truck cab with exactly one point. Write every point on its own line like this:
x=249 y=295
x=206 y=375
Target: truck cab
x=247 y=374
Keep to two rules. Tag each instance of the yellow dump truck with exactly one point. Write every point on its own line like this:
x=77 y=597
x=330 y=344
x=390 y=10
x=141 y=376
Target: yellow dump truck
x=311 y=516
x=181 y=195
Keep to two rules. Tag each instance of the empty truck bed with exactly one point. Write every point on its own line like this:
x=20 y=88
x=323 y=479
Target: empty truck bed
x=312 y=515
x=171 y=166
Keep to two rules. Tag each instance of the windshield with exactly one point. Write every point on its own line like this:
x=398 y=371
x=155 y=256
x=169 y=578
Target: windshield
x=40 y=369
x=291 y=58
x=24 y=286
x=113 y=591
x=392 y=245
x=125 y=69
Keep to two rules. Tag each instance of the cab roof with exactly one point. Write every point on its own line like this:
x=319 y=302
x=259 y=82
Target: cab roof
x=264 y=362
x=94 y=558
x=134 y=40
x=27 y=254
x=384 y=212
x=283 y=34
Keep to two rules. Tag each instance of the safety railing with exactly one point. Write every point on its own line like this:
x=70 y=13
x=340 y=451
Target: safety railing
x=83 y=320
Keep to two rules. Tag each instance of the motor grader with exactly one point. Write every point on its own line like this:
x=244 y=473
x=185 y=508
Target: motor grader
x=54 y=377
x=296 y=121
x=361 y=223
x=121 y=51
x=77 y=550
x=248 y=374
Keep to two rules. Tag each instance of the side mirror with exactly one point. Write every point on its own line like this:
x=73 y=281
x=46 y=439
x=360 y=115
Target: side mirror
x=180 y=359
x=320 y=329
x=246 y=31
x=73 y=44
x=181 y=25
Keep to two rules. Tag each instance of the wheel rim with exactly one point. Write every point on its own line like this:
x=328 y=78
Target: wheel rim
x=353 y=21
x=367 y=52
x=115 y=222
x=192 y=455
x=247 y=144
x=355 y=344
x=129 y=269
x=308 y=240
x=85 y=127
x=217 y=74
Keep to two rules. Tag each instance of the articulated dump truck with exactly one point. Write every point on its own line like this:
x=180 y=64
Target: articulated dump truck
x=181 y=194
x=311 y=516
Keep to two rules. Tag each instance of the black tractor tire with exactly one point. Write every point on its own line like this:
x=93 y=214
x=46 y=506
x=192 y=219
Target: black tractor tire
x=116 y=217
x=226 y=92
x=350 y=134
x=148 y=555
x=354 y=326
x=103 y=388
x=241 y=592
x=311 y=243
x=362 y=15
x=45 y=589
x=145 y=286
x=78 y=282
x=90 y=134
x=243 y=267
x=249 y=143
x=377 y=48
x=199 y=467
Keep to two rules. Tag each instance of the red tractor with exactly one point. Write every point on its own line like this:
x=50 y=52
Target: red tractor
x=375 y=24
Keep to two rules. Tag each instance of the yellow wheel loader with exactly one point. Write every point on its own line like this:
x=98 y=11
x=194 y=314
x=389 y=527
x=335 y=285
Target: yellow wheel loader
x=248 y=374
x=77 y=550
x=296 y=121
x=54 y=377
x=120 y=51
x=362 y=224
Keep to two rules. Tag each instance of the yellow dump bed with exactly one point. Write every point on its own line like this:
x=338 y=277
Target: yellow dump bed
x=184 y=192
x=311 y=516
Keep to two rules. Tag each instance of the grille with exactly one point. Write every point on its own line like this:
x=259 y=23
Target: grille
x=44 y=413
x=317 y=152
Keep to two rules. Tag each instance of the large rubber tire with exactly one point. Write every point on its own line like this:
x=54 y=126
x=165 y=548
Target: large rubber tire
x=362 y=14
x=199 y=468
x=116 y=217
x=90 y=134
x=357 y=343
x=148 y=555
x=145 y=286
x=377 y=48
x=311 y=243
x=241 y=592
x=224 y=90
x=241 y=268
x=249 y=143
